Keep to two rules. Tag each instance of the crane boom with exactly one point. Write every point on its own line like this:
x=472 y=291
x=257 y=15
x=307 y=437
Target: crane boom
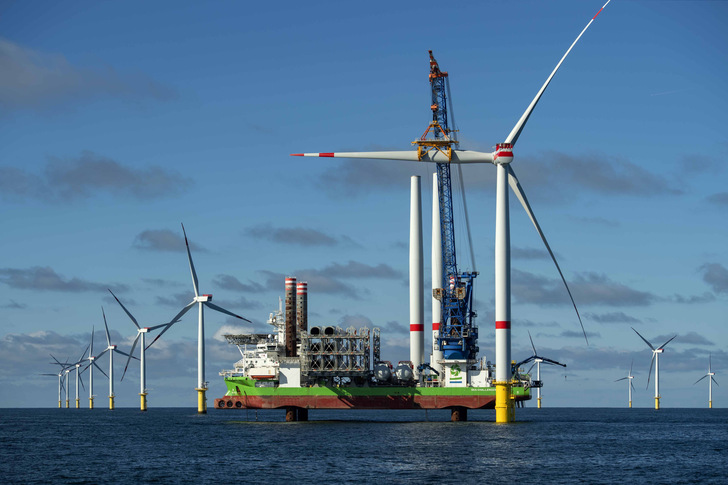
x=458 y=336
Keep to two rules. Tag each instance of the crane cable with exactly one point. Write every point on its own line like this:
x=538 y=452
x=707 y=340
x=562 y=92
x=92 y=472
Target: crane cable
x=451 y=117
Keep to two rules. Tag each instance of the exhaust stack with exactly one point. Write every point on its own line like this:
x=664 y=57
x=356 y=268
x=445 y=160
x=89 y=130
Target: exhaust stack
x=290 y=317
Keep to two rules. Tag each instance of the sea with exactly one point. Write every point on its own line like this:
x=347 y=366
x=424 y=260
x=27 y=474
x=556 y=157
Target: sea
x=178 y=446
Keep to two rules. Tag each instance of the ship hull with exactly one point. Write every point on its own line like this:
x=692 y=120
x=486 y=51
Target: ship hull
x=379 y=397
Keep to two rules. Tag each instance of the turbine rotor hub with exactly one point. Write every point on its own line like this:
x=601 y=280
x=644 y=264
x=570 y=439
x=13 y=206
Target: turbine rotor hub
x=503 y=154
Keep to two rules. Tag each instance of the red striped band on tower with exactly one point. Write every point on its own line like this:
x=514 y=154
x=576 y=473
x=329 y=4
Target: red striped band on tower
x=502 y=325
x=436 y=326
x=417 y=327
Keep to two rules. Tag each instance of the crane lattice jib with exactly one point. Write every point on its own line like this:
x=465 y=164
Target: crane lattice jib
x=458 y=337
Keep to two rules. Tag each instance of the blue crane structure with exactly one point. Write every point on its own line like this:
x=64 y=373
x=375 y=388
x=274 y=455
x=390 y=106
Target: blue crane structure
x=458 y=336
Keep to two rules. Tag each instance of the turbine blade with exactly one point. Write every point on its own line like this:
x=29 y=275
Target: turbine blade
x=648 y=344
x=100 y=369
x=532 y=346
x=131 y=352
x=125 y=310
x=222 y=310
x=173 y=321
x=630 y=367
x=706 y=375
x=91 y=351
x=530 y=368
x=716 y=382
x=108 y=338
x=516 y=186
x=80 y=380
x=159 y=326
x=549 y=361
x=124 y=353
x=516 y=132
x=192 y=266
x=458 y=156
x=663 y=345
x=649 y=373
x=82 y=358
x=631 y=384
x=623 y=378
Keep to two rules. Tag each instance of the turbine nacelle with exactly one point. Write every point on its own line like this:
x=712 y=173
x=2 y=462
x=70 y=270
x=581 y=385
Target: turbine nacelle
x=203 y=298
x=503 y=153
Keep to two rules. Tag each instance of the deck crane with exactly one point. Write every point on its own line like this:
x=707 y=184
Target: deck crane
x=458 y=335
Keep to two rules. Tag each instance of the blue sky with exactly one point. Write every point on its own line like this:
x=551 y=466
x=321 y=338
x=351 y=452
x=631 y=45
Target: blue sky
x=121 y=120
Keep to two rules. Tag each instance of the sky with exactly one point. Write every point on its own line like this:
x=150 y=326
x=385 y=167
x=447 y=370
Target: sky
x=122 y=120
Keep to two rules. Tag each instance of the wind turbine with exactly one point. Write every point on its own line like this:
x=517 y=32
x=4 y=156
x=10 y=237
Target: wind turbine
x=110 y=349
x=92 y=363
x=655 y=360
x=61 y=373
x=711 y=380
x=141 y=333
x=537 y=359
x=77 y=365
x=501 y=158
x=201 y=301
x=630 y=386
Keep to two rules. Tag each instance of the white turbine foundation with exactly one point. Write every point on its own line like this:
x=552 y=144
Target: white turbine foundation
x=436 y=275
x=417 y=321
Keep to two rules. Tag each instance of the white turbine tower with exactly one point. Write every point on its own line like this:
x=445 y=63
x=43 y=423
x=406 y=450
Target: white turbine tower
x=91 y=364
x=111 y=349
x=501 y=158
x=537 y=359
x=711 y=380
x=630 y=386
x=655 y=360
x=201 y=301
x=141 y=333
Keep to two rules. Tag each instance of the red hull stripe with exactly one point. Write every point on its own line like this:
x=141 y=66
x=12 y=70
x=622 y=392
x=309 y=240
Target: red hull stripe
x=417 y=327
x=503 y=325
x=436 y=327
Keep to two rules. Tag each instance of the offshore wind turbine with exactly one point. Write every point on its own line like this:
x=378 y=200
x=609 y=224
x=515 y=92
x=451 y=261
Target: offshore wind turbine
x=110 y=349
x=201 y=301
x=655 y=360
x=537 y=359
x=61 y=373
x=630 y=386
x=77 y=365
x=91 y=364
x=501 y=158
x=141 y=333
x=711 y=380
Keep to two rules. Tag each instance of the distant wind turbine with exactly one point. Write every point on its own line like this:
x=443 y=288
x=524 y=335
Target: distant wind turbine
x=91 y=364
x=201 y=301
x=110 y=349
x=711 y=380
x=630 y=386
x=61 y=373
x=77 y=365
x=537 y=359
x=141 y=333
x=655 y=360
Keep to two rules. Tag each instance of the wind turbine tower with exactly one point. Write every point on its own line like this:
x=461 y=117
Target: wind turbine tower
x=201 y=301
x=655 y=360
x=92 y=363
x=141 y=334
x=537 y=359
x=456 y=329
x=111 y=349
x=630 y=386
x=711 y=380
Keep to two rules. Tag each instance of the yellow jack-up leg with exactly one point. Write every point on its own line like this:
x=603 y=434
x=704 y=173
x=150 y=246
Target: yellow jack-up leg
x=538 y=401
x=201 y=400
x=144 y=401
x=504 y=403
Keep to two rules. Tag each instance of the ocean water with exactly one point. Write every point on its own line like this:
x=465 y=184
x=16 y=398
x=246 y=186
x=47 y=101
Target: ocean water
x=176 y=445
